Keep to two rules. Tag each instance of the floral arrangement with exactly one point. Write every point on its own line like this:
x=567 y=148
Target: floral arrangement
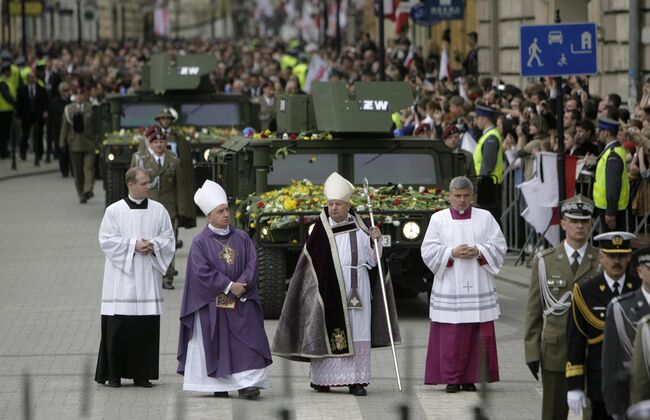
x=305 y=135
x=303 y=196
x=191 y=134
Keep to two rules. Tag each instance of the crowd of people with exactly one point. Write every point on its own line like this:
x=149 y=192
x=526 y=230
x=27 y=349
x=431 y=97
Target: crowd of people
x=574 y=315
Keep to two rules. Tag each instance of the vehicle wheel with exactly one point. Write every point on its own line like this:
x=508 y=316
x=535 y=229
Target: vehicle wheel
x=272 y=280
x=114 y=183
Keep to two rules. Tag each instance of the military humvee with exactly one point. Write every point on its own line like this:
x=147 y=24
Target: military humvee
x=274 y=183
x=182 y=84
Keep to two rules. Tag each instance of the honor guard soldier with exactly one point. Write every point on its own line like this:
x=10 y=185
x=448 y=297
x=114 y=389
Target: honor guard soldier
x=587 y=322
x=612 y=185
x=79 y=135
x=640 y=382
x=623 y=316
x=181 y=147
x=555 y=271
x=488 y=161
x=167 y=183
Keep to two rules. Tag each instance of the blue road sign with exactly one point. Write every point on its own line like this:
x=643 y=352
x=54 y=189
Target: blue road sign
x=563 y=49
x=430 y=12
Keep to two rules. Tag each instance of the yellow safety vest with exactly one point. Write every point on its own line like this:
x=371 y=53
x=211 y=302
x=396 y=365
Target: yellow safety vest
x=4 y=105
x=300 y=71
x=288 y=61
x=24 y=72
x=478 y=154
x=14 y=79
x=600 y=184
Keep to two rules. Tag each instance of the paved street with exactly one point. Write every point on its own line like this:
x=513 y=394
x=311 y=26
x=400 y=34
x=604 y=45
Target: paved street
x=49 y=312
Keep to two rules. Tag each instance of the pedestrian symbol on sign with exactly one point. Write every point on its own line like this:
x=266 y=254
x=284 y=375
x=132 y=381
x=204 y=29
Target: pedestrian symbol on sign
x=562 y=61
x=533 y=50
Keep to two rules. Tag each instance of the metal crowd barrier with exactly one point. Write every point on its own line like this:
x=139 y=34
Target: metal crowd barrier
x=524 y=240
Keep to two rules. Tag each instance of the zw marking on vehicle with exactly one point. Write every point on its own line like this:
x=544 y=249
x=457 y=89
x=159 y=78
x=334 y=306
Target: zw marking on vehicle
x=372 y=105
x=189 y=71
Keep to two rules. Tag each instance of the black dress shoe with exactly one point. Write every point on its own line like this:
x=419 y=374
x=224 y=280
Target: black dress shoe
x=250 y=392
x=222 y=394
x=452 y=388
x=358 y=390
x=320 y=388
x=468 y=387
x=114 y=383
x=167 y=284
x=83 y=200
x=88 y=195
x=179 y=245
x=143 y=383
x=175 y=273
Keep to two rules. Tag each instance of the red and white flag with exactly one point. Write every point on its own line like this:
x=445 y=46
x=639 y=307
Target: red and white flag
x=161 y=19
x=542 y=194
x=390 y=9
x=318 y=71
x=445 y=70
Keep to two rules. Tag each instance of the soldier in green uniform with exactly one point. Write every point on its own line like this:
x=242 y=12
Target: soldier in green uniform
x=167 y=184
x=555 y=271
x=640 y=382
x=79 y=134
x=623 y=315
x=587 y=321
x=165 y=118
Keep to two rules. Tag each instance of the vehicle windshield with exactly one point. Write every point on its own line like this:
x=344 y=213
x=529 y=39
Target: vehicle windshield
x=302 y=166
x=140 y=115
x=210 y=115
x=395 y=168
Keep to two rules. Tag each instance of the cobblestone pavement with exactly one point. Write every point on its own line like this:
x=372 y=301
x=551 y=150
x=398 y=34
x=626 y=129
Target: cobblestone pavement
x=50 y=280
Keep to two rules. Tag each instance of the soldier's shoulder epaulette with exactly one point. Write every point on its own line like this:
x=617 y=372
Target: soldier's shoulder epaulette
x=545 y=252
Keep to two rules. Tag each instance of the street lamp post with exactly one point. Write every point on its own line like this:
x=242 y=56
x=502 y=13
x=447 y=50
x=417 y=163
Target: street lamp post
x=382 y=59
x=559 y=107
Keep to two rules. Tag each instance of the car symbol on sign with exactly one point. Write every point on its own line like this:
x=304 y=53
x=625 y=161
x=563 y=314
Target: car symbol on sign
x=555 y=37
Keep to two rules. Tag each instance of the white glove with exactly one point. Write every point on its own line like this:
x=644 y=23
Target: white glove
x=576 y=401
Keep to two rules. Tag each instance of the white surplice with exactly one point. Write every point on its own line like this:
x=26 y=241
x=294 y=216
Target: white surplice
x=132 y=281
x=464 y=292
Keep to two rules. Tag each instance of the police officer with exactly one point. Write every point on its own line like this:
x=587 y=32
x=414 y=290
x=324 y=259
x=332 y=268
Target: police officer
x=612 y=185
x=555 y=271
x=488 y=161
x=587 y=321
x=623 y=315
x=640 y=382
x=167 y=185
x=7 y=106
x=80 y=136
x=187 y=219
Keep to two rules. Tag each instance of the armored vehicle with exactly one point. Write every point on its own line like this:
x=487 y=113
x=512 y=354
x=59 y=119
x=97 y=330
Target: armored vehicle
x=181 y=84
x=274 y=181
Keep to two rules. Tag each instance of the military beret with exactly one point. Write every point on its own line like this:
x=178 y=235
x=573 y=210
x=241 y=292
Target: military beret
x=154 y=133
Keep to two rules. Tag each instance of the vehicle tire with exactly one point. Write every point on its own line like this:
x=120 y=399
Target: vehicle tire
x=114 y=183
x=271 y=280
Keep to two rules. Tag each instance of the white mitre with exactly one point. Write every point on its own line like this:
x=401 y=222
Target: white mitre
x=338 y=188
x=210 y=196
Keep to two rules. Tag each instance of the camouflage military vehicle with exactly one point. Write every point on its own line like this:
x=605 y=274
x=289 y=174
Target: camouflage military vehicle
x=274 y=182
x=182 y=84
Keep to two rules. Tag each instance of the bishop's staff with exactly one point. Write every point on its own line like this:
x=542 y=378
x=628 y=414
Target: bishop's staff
x=381 y=278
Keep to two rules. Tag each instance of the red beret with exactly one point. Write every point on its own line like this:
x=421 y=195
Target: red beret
x=154 y=133
x=449 y=130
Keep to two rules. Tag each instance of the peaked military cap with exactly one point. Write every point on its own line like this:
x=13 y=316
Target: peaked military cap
x=485 y=111
x=609 y=125
x=577 y=207
x=615 y=242
x=167 y=113
x=642 y=256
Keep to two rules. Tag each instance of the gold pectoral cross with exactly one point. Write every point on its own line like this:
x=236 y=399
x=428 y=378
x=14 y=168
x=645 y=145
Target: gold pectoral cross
x=228 y=254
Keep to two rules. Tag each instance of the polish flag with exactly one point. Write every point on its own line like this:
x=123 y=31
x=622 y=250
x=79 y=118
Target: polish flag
x=542 y=194
x=161 y=25
x=390 y=9
x=318 y=71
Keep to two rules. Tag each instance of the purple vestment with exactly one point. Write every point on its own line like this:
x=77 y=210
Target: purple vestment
x=233 y=340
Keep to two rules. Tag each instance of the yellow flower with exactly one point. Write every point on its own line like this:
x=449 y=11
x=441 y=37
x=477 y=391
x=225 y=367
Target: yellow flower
x=238 y=214
x=252 y=225
x=290 y=204
x=316 y=199
x=237 y=201
x=294 y=241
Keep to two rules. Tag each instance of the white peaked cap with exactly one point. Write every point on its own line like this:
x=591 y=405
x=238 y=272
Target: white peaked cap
x=338 y=188
x=210 y=196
